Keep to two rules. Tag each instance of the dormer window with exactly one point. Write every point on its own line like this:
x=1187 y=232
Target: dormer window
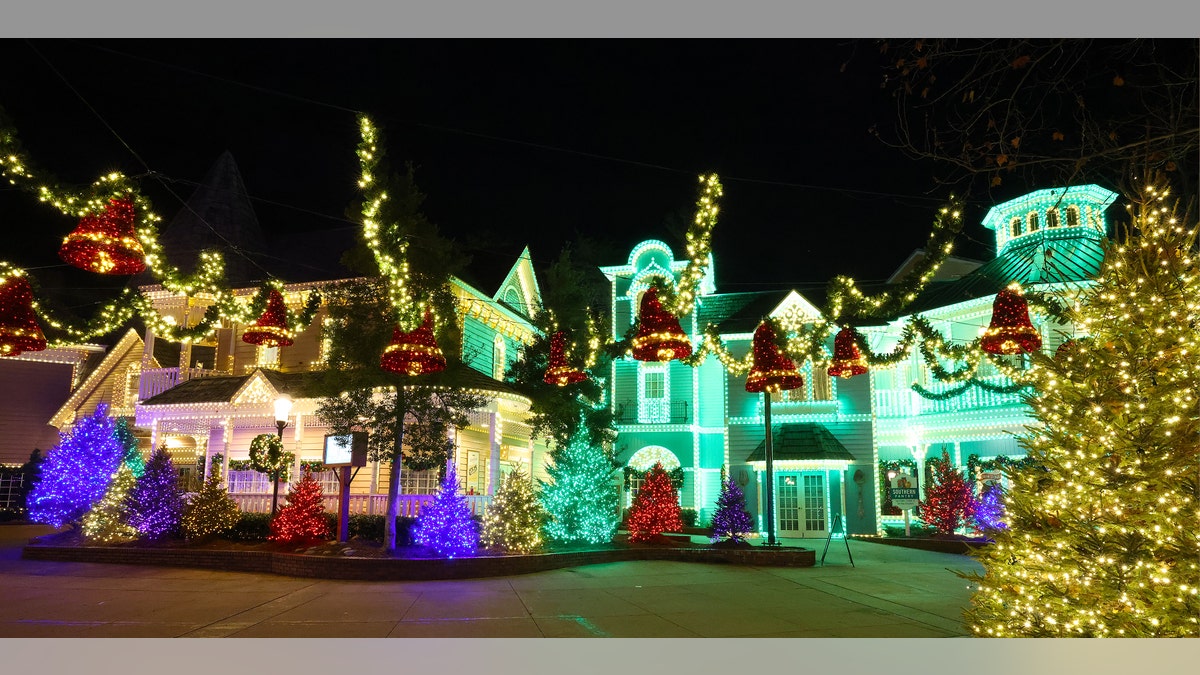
x=1033 y=221
x=1016 y=227
x=1052 y=218
x=1072 y=216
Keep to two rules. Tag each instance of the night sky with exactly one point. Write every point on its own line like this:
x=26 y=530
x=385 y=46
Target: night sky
x=514 y=142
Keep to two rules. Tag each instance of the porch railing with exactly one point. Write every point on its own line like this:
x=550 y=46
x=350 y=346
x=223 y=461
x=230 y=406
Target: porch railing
x=360 y=504
x=154 y=381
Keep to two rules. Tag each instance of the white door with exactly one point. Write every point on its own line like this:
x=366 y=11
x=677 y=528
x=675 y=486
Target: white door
x=787 y=505
x=814 y=504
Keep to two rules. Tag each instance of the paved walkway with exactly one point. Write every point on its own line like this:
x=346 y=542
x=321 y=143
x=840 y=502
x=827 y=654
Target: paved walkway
x=893 y=592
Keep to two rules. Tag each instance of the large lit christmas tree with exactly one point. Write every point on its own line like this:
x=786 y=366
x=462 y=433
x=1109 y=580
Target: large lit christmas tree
x=211 y=511
x=155 y=505
x=108 y=521
x=77 y=471
x=949 y=503
x=581 y=496
x=302 y=519
x=1102 y=527
x=656 y=508
x=513 y=521
x=731 y=521
x=445 y=524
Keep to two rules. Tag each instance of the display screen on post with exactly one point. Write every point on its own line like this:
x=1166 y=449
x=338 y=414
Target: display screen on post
x=346 y=449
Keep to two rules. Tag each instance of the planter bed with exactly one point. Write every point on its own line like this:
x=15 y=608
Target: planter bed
x=347 y=561
x=961 y=545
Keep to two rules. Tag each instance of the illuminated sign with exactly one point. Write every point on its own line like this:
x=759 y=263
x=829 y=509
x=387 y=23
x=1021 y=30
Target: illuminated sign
x=346 y=449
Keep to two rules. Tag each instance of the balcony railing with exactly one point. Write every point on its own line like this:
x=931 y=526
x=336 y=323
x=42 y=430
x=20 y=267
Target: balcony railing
x=155 y=381
x=678 y=412
x=906 y=402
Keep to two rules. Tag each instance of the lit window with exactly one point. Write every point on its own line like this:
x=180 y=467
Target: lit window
x=1033 y=221
x=654 y=385
x=1072 y=216
x=1052 y=218
x=1016 y=227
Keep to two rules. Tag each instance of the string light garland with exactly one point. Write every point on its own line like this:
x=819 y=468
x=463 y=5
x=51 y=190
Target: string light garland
x=1101 y=538
x=679 y=298
x=106 y=243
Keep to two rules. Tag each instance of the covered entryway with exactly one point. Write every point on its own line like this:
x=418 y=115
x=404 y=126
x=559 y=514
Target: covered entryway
x=809 y=464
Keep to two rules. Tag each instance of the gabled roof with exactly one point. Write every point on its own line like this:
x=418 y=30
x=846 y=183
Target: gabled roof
x=130 y=342
x=807 y=441
x=521 y=278
x=732 y=311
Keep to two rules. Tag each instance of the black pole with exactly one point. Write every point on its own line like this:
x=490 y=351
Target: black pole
x=280 y=425
x=770 y=473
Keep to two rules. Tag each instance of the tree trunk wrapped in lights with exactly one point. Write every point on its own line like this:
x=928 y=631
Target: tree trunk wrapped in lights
x=1011 y=331
x=847 y=361
x=19 y=330
x=558 y=372
x=271 y=329
x=106 y=243
x=415 y=352
x=659 y=335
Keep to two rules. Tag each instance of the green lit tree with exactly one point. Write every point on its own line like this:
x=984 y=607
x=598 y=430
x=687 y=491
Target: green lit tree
x=581 y=496
x=1101 y=538
x=513 y=521
x=133 y=453
x=108 y=521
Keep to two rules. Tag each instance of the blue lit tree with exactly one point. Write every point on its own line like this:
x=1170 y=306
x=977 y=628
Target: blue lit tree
x=76 y=472
x=581 y=496
x=445 y=524
x=989 y=510
x=155 y=505
x=731 y=521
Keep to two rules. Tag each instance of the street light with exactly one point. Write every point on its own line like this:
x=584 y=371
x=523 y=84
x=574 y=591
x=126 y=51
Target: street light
x=283 y=408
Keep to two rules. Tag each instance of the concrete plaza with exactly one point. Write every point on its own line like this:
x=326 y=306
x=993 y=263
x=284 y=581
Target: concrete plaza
x=893 y=592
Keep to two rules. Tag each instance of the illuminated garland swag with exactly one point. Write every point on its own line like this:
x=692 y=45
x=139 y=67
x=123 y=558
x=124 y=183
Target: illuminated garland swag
x=102 y=244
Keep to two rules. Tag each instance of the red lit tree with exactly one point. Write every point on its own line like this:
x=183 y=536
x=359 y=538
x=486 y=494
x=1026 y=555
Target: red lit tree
x=656 y=509
x=302 y=519
x=948 y=503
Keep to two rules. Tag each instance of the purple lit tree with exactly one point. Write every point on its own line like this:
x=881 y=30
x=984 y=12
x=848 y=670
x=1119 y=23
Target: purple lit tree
x=731 y=520
x=77 y=471
x=989 y=510
x=445 y=524
x=155 y=505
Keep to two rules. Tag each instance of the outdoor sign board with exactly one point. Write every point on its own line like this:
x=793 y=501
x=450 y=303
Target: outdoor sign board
x=902 y=488
x=346 y=449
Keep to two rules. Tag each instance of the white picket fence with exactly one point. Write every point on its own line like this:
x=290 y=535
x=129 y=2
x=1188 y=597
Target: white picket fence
x=365 y=504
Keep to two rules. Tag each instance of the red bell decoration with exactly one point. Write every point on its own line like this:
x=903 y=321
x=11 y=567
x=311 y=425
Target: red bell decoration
x=415 y=352
x=659 y=336
x=106 y=243
x=559 y=372
x=1011 y=331
x=847 y=360
x=771 y=369
x=19 y=330
x=271 y=329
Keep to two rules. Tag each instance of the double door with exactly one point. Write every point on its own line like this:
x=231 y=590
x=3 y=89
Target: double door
x=800 y=504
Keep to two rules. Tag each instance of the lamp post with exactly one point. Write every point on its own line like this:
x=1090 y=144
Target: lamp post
x=283 y=408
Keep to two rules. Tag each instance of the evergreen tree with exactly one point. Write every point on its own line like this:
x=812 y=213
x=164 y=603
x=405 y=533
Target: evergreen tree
x=513 y=521
x=133 y=453
x=302 y=519
x=211 y=511
x=1102 y=523
x=731 y=519
x=656 y=508
x=108 y=521
x=989 y=510
x=77 y=471
x=445 y=524
x=581 y=497
x=155 y=505
x=949 y=503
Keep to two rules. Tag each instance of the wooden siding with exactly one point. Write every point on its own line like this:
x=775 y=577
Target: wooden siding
x=34 y=391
